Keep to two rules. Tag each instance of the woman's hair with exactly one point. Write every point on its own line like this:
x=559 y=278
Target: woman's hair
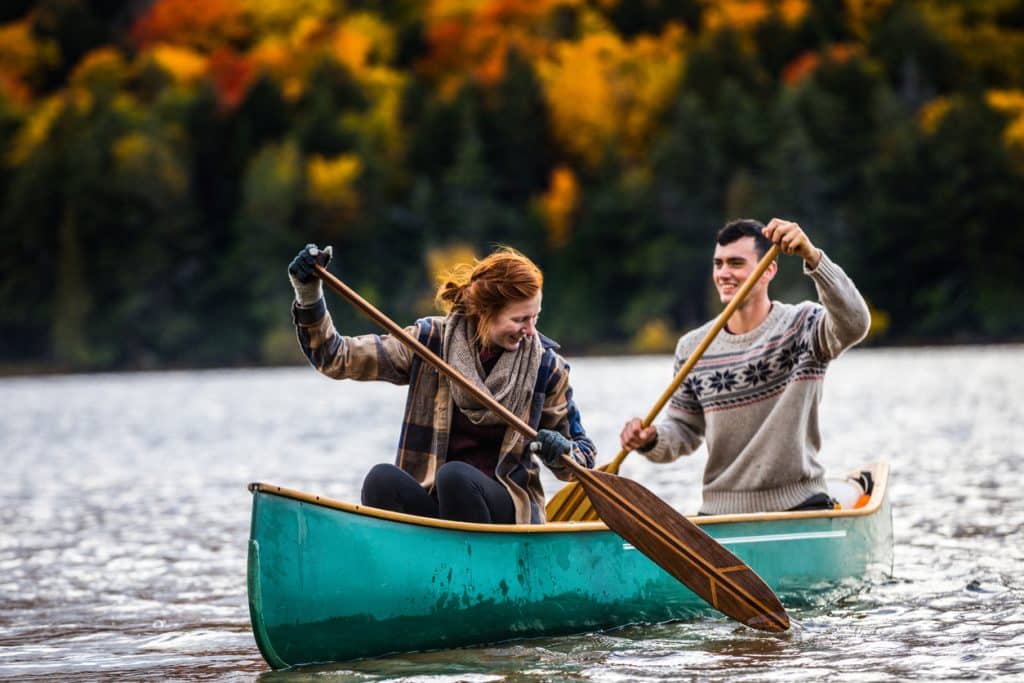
x=479 y=290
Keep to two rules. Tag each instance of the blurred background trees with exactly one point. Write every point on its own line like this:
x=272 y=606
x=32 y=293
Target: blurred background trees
x=161 y=161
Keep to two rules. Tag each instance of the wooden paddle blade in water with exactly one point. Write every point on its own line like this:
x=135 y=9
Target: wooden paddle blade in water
x=682 y=549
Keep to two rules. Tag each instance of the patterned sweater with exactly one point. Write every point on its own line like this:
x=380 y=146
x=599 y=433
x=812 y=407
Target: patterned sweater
x=423 y=442
x=754 y=398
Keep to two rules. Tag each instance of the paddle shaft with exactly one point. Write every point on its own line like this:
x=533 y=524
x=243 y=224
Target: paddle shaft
x=679 y=546
x=720 y=323
x=426 y=354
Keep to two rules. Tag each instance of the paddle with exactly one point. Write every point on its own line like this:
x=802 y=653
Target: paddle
x=675 y=543
x=570 y=503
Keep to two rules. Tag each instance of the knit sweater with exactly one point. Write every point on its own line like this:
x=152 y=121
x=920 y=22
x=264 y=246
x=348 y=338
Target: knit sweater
x=754 y=398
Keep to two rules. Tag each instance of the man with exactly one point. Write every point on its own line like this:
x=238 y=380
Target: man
x=754 y=394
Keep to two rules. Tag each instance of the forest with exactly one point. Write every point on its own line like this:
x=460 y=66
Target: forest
x=162 y=161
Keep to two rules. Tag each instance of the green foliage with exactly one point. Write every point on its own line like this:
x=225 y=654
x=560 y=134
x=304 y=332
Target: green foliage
x=149 y=203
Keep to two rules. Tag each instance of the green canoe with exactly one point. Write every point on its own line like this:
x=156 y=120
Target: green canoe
x=332 y=581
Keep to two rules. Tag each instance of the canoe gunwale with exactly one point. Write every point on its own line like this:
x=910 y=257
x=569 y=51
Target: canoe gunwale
x=879 y=470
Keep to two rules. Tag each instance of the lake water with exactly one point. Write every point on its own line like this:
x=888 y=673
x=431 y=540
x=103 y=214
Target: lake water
x=125 y=515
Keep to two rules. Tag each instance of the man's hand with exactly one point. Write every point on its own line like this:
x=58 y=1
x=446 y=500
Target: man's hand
x=792 y=240
x=634 y=436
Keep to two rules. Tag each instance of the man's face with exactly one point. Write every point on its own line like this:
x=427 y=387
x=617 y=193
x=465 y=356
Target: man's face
x=733 y=264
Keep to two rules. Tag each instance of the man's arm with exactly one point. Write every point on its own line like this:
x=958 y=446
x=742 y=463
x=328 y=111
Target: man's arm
x=682 y=429
x=846 y=319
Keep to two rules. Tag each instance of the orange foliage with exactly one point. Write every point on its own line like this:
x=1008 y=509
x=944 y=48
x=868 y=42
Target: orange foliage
x=746 y=14
x=930 y=116
x=12 y=89
x=232 y=75
x=205 y=24
x=475 y=36
x=806 y=64
x=558 y=205
x=22 y=56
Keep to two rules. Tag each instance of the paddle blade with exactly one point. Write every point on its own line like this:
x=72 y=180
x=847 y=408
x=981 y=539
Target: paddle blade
x=682 y=549
x=570 y=503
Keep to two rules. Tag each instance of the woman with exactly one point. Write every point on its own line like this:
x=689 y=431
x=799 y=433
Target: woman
x=456 y=460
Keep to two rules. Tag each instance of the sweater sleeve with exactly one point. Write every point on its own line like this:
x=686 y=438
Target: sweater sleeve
x=846 y=319
x=561 y=414
x=681 y=431
x=368 y=357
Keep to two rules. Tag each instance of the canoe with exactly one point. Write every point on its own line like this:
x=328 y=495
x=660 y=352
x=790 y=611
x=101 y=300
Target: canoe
x=333 y=581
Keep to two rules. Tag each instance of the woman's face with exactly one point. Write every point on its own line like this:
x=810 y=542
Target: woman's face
x=514 y=322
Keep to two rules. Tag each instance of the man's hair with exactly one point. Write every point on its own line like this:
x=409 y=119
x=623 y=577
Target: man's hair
x=745 y=227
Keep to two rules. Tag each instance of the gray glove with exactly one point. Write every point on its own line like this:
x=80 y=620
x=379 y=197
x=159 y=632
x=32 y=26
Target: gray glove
x=550 y=446
x=305 y=282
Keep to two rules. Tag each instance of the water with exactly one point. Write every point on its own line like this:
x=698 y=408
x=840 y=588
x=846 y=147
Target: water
x=125 y=516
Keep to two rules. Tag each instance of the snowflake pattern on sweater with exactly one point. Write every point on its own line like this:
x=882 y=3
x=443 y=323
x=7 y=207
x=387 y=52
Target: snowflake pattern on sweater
x=723 y=381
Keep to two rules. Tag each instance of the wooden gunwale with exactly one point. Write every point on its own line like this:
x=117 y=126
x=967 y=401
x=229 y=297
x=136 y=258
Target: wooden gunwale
x=880 y=471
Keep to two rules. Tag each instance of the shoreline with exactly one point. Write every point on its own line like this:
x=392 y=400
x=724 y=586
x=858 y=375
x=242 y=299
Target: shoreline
x=33 y=369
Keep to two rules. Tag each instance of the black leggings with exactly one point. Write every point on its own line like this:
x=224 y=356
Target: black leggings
x=461 y=492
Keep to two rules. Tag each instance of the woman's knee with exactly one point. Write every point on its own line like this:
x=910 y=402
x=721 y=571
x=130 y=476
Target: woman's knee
x=455 y=475
x=380 y=483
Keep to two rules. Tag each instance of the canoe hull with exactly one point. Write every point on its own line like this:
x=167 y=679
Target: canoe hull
x=329 y=584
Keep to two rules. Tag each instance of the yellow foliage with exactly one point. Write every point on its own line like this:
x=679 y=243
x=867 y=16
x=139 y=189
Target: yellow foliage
x=880 y=321
x=102 y=68
x=604 y=91
x=137 y=155
x=381 y=122
x=655 y=336
x=281 y=15
x=307 y=31
x=363 y=39
x=442 y=261
x=862 y=15
x=559 y=204
x=21 y=55
x=1006 y=101
x=930 y=116
x=186 y=66
x=331 y=181
x=746 y=14
x=35 y=130
x=1010 y=103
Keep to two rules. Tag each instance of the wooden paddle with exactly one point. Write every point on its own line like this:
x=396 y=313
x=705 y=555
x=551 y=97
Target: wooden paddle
x=641 y=518
x=570 y=503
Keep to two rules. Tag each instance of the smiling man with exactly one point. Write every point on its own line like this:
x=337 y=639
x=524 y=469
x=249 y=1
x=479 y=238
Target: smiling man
x=754 y=394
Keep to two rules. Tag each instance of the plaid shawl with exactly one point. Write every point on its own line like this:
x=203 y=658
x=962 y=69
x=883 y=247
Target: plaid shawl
x=423 y=440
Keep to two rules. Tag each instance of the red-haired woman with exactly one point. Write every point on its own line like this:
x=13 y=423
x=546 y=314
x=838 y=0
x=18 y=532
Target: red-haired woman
x=456 y=460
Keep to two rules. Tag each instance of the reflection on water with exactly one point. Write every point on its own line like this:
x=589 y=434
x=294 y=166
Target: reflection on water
x=125 y=518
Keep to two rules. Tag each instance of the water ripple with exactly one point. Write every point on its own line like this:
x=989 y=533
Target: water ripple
x=125 y=521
